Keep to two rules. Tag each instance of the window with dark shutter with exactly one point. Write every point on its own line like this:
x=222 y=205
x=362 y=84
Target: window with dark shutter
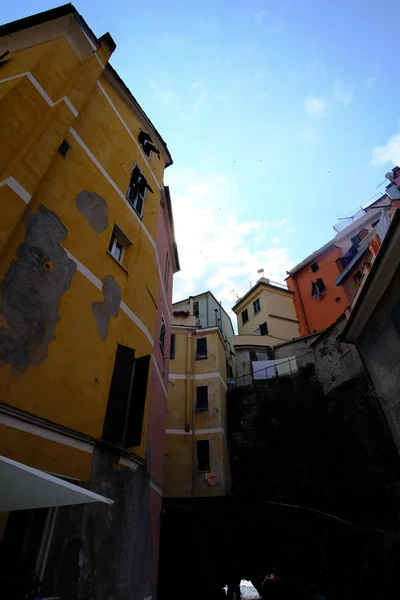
x=201 y=348
x=137 y=189
x=202 y=397
x=163 y=330
x=196 y=311
x=245 y=316
x=264 y=328
x=126 y=399
x=114 y=429
x=203 y=455
x=137 y=402
x=147 y=144
x=315 y=267
x=256 y=306
x=172 y=346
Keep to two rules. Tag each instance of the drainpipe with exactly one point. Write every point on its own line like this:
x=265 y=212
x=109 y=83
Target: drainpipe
x=297 y=291
x=189 y=375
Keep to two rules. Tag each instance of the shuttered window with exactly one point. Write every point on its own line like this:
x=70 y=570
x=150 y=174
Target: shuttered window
x=203 y=455
x=201 y=348
x=202 y=397
x=126 y=400
x=172 y=346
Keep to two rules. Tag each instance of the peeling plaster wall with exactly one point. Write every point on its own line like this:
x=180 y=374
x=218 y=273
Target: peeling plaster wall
x=31 y=291
x=103 y=311
x=94 y=208
x=335 y=365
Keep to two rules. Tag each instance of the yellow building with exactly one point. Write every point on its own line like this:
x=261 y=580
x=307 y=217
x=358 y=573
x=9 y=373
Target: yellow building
x=265 y=317
x=81 y=199
x=196 y=459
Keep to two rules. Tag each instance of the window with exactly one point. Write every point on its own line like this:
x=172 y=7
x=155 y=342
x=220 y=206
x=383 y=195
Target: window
x=202 y=397
x=126 y=399
x=374 y=224
x=201 y=348
x=256 y=306
x=203 y=456
x=358 y=277
x=196 y=311
x=118 y=243
x=147 y=144
x=263 y=328
x=166 y=271
x=338 y=299
x=63 y=148
x=162 y=334
x=172 y=346
x=116 y=248
x=245 y=316
x=137 y=189
x=355 y=240
x=315 y=267
x=318 y=288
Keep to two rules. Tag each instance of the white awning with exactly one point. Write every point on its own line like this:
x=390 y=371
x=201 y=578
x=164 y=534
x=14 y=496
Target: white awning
x=22 y=487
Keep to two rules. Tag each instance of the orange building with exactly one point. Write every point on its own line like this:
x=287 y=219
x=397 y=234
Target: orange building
x=317 y=300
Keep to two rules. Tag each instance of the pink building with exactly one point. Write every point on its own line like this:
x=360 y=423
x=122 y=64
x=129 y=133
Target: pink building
x=169 y=264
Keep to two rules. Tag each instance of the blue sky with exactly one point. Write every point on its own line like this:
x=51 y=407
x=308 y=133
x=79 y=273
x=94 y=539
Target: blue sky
x=281 y=116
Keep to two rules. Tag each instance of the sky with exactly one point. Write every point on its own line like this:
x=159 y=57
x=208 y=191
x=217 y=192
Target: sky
x=281 y=117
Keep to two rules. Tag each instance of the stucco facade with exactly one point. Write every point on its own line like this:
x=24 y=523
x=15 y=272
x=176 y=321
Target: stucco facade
x=196 y=459
x=269 y=304
x=86 y=262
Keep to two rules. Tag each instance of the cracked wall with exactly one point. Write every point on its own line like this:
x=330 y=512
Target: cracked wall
x=32 y=289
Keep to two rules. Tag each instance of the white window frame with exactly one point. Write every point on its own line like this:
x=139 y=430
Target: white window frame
x=114 y=242
x=137 y=195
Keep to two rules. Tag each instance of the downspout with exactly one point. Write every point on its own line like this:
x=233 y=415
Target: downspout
x=301 y=302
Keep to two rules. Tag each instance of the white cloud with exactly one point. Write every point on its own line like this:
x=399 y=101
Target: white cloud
x=316 y=106
x=389 y=153
x=342 y=93
x=217 y=249
x=258 y=16
x=275 y=240
x=198 y=87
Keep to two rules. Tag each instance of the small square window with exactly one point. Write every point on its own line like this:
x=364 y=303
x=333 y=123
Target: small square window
x=338 y=299
x=256 y=306
x=63 y=148
x=203 y=456
x=358 y=277
x=315 y=267
x=245 y=316
x=116 y=249
x=119 y=241
x=202 y=397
